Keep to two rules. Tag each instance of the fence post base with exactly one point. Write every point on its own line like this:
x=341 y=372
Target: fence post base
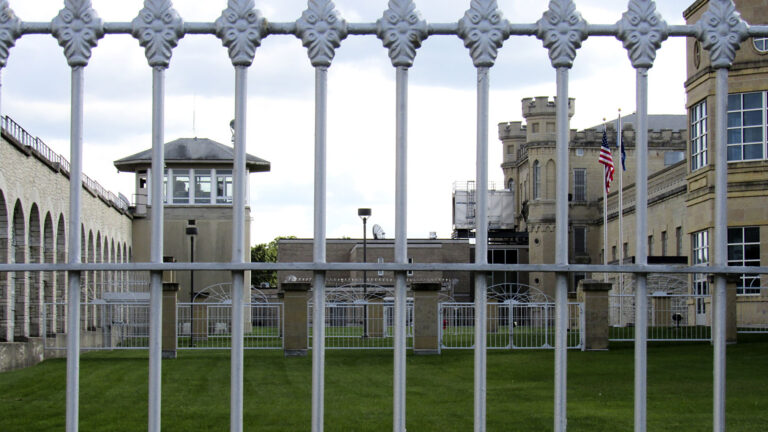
x=594 y=295
x=169 y=319
x=295 y=318
x=425 y=317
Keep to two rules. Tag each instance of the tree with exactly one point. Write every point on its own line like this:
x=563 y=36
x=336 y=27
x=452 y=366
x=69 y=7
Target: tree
x=265 y=252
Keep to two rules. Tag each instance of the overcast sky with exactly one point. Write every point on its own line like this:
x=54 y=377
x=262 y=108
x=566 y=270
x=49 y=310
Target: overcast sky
x=361 y=94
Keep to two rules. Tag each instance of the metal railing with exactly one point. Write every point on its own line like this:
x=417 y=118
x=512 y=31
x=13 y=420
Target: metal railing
x=35 y=143
x=671 y=317
x=360 y=325
x=209 y=326
x=114 y=326
x=509 y=325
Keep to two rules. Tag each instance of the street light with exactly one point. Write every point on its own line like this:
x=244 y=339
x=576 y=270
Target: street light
x=364 y=214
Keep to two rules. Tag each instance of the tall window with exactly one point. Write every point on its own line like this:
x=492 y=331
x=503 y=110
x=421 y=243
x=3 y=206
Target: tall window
x=699 y=135
x=663 y=243
x=536 y=180
x=650 y=245
x=700 y=242
x=744 y=250
x=746 y=126
x=580 y=184
x=180 y=186
x=679 y=241
x=223 y=186
x=580 y=240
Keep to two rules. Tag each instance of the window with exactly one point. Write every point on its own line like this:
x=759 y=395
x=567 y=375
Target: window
x=577 y=277
x=679 y=241
x=580 y=240
x=699 y=135
x=536 y=180
x=202 y=186
x=746 y=126
x=673 y=157
x=224 y=186
x=744 y=250
x=625 y=251
x=380 y=260
x=511 y=185
x=180 y=186
x=761 y=44
x=510 y=149
x=580 y=184
x=535 y=128
x=410 y=272
x=613 y=252
x=663 y=243
x=650 y=245
x=502 y=256
x=700 y=242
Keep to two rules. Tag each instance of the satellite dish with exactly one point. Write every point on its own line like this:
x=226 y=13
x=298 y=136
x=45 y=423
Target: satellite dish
x=378 y=233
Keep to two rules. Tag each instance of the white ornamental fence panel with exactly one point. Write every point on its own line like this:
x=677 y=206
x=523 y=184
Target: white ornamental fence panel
x=670 y=317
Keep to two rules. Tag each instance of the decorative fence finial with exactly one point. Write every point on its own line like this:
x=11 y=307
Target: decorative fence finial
x=721 y=31
x=10 y=30
x=78 y=28
x=240 y=27
x=402 y=30
x=483 y=29
x=642 y=29
x=158 y=29
x=321 y=31
x=562 y=29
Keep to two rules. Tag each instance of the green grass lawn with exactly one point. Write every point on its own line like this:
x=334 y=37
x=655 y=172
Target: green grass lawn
x=358 y=397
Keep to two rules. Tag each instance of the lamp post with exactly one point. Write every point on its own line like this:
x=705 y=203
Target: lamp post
x=364 y=214
x=191 y=232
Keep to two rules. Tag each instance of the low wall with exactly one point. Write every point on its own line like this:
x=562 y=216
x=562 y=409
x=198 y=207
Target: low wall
x=18 y=355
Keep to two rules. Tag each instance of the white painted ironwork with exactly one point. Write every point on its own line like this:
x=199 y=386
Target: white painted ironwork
x=344 y=324
x=158 y=29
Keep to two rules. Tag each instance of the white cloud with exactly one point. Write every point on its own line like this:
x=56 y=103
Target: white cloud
x=361 y=104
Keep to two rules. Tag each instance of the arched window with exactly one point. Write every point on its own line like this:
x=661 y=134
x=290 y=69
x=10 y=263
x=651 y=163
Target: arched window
x=536 y=180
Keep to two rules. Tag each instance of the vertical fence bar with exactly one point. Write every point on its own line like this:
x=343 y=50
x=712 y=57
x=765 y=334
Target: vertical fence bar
x=641 y=249
x=481 y=246
x=156 y=253
x=73 y=249
x=318 y=318
x=561 y=253
x=238 y=252
x=720 y=246
x=401 y=244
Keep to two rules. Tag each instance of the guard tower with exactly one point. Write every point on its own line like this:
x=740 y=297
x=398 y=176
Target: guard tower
x=198 y=206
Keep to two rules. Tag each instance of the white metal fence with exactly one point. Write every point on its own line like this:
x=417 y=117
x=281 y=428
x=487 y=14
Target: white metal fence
x=360 y=325
x=209 y=326
x=671 y=317
x=509 y=325
x=113 y=326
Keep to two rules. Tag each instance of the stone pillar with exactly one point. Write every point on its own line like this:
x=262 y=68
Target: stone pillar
x=593 y=295
x=295 y=318
x=425 y=318
x=169 y=319
x=375 y=317
x=731 y=286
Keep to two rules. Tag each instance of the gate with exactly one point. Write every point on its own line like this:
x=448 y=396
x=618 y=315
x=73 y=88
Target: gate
x=203 y=325
x=510 y=325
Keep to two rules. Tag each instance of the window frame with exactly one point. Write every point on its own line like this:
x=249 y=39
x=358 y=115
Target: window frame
x=743 y=288
x=580 y=190
x=699 y=135
x=741 y=129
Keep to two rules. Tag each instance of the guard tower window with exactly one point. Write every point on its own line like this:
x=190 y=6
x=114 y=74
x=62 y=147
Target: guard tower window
x=224 y=186
x=180 y=186
x=202 y=186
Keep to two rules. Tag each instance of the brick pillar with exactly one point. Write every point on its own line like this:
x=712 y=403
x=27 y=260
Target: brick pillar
x=425 y=326
x=593 y=295
x=375 y=317
x=169 y=319
x=295 y=318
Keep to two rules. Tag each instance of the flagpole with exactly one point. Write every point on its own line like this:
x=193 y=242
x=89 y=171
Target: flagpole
x=621 y=206
x=605 y=217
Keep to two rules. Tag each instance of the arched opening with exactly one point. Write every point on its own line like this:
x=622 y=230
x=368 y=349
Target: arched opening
x=90 y=293
x=6 y=326
x=19 y=281
x=34 y=278
x=120 y=274
x=61 y=276
x=113 y=283
x=49 y=289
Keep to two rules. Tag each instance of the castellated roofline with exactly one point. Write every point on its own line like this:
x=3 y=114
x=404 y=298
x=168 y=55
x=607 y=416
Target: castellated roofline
x=511 y=130
x=544 y=106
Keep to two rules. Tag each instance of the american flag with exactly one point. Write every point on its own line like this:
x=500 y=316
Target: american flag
x=607 y=160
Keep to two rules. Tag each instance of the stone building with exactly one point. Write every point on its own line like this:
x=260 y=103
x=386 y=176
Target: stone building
x=681 y=164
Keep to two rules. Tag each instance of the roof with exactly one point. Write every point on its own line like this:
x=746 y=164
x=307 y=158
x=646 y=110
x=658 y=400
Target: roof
x=192 y=151
x=656 y=122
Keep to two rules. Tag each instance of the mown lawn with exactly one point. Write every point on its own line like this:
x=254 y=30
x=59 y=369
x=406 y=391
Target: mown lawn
x=113 y=395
